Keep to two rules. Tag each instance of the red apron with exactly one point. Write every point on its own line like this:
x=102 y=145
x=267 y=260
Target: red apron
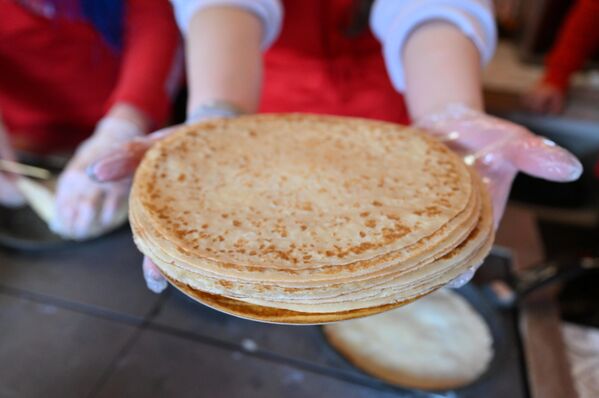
x=314 y=66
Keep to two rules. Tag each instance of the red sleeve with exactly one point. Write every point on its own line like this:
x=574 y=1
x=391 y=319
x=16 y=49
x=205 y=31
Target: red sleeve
x=577 y=40
x=152 y=60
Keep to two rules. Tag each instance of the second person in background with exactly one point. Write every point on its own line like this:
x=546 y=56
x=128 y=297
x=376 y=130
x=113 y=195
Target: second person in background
x=84 y=75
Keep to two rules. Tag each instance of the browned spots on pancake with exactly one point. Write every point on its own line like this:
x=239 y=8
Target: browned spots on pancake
x=364 y=214
x=362 y=247
x=444 y=202
x=307 y=206
x=391 y=234
x=370 y=223
x=429 y=211
x=376 y=203
x=237 y=223
x=362 y=234
x=225 y=284
x=181 y=177
x=393 y=217
x=204 y=226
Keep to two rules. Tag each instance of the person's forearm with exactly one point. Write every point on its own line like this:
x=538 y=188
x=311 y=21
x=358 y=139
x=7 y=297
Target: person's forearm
x=442 y=66
x=224 y=60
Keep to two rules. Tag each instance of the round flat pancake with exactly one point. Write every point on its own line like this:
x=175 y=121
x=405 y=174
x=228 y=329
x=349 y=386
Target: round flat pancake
x=438 y=342
x=297 y=191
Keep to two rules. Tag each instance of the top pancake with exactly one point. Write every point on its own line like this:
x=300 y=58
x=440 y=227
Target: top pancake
x=298 y=191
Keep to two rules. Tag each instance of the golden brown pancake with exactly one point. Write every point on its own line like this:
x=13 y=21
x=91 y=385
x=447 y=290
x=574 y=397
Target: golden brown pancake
x=320 y=217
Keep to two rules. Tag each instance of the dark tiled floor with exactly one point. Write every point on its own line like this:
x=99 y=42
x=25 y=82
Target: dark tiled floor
x=80 y=322
x=303 y=342
x=47 y=351
x=105 y=273
x=160 y=365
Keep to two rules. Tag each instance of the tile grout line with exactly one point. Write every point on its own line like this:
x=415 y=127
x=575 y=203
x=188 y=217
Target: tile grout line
x=145 y=323
x=81 y=308
x=127 y=346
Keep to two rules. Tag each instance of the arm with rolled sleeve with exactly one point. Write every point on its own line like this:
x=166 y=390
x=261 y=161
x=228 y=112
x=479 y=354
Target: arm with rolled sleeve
x=270 y=13
x=434 y=50
x=224 y=42
x=393 y=21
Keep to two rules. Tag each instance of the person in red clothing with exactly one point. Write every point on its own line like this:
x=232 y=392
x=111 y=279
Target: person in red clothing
x=577 y=40
x=86 y=75
x=419 y=62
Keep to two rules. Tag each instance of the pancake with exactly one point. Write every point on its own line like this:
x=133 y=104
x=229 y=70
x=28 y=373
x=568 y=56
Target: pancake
x=308 y=219
x=297 y=191
x=436 y=343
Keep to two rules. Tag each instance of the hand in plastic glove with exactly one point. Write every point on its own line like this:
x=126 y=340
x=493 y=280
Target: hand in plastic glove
x=545 y=98
x=499 y=149
x=122 y=163
x=9 y=193
x=87 y=208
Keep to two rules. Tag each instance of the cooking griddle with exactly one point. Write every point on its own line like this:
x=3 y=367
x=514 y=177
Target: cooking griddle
x=22 y=229
x=506 y=375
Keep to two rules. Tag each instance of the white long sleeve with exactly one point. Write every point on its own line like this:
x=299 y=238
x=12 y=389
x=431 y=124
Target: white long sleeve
x=392 y=21
x=270 y=13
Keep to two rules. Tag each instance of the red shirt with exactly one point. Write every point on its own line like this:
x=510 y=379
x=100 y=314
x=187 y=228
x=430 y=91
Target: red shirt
x=59 y=76
x=577 y=40
x=315 y=66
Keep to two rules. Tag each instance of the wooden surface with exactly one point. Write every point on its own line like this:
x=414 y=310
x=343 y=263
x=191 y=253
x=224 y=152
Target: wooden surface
x=548 y=367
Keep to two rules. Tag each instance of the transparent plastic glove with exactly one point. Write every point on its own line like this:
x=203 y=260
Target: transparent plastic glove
x=9 y=193
x=87 y=208
x=499 y=149
x=123 y=162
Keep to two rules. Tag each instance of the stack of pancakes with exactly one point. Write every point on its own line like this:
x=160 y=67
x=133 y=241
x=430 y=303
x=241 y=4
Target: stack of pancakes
x=308 y=219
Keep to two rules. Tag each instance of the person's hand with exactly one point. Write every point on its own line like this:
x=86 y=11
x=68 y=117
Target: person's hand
x=499 y=149
x=87 y=208
x=544 y=98
x=10 y=195
x=121 y=164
